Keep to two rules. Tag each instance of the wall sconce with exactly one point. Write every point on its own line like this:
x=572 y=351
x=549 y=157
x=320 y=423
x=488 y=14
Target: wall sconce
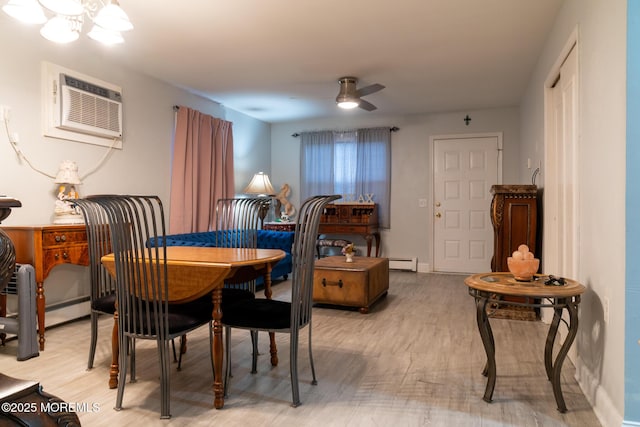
x=65 y=211
x=260 y=186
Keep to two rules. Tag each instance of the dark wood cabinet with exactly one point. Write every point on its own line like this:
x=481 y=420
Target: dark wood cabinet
x=514 y=215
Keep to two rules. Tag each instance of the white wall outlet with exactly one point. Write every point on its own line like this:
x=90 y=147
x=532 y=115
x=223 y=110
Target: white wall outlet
x=605 y=309
x=528 y=163
x=422 y=203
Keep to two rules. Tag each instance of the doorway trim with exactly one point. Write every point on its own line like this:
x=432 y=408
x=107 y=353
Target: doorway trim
x=550 y=234
x=430 y=207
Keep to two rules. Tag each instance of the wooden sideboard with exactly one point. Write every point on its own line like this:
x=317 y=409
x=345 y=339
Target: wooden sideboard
x=357 y=218
x=44 y=247
x=514 y=217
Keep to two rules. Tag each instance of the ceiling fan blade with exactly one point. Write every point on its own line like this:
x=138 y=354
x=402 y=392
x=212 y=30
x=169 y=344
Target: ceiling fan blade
x=367 y=90
x=367 y=105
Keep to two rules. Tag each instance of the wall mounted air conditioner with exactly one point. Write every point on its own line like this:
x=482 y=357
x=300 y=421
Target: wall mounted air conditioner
x=81 y=108
x=88 y=108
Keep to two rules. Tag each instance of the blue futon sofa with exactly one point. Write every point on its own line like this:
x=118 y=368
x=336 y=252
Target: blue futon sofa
x=266 y=239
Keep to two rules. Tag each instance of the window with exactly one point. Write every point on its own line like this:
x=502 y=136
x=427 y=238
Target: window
x=353 y=164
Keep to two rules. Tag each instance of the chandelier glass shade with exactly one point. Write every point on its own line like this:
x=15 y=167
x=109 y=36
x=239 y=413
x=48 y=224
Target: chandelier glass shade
x=68 y=18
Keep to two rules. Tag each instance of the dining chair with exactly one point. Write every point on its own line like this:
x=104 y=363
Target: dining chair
x=237 y=223
x=279 y=316
x=137 y=231
x=103 y=286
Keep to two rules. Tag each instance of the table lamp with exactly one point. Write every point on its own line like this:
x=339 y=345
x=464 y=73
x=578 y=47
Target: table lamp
x=65 y=211
x=261 y=187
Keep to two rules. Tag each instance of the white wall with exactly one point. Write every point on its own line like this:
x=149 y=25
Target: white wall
x=142 y=166
x=411 y=168
x=602 y=59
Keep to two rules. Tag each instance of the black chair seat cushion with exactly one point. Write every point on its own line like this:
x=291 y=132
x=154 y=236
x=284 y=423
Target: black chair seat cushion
x=258 y=313
x=202 y=308
x=105 y=304
x=233 y=295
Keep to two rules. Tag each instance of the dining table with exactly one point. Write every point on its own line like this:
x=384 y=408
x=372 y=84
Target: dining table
x=193 y=272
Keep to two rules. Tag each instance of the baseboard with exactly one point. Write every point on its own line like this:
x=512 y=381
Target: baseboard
x=424 y=267
x=597 y=396
x=403 y=264
x=66 y=312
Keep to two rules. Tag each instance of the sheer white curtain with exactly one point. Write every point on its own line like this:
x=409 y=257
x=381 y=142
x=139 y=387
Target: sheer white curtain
x=354 y=162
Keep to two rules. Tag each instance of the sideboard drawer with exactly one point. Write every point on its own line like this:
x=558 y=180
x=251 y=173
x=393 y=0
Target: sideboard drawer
x=63 y=237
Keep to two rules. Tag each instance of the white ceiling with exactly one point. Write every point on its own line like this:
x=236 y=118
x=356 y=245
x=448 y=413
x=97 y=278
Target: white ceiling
x=279 y=60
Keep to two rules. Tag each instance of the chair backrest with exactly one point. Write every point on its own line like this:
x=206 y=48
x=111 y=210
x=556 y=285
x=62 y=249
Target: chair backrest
x=136 y=224
x=99 y=242
x=303 y=253
x=237 y=222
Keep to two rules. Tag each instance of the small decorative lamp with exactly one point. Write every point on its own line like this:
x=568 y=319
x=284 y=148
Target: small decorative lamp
x=65 y=211
x=261 y=186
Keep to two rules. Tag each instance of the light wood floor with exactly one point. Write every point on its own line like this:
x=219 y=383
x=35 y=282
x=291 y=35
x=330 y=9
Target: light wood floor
x=414 y=360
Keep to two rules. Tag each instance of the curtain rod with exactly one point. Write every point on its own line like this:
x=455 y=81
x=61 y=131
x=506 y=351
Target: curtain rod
x=176 y=107
x=392 y=129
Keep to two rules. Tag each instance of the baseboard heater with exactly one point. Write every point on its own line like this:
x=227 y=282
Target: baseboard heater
x=404 y=264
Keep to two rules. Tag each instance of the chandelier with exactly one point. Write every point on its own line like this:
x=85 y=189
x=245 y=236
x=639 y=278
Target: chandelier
x=109 y=20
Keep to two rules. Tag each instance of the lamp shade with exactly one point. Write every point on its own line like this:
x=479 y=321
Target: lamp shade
x=60 y=29
x=112 y=17
x=64 y=7
x=68 y=173
x=107 y=37
x=26 y=11
x=260 y=185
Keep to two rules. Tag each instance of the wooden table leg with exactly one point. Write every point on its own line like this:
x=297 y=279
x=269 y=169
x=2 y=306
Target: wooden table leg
x=273 y=349
x=40 y=302
x=218 y=349
x=115 y=353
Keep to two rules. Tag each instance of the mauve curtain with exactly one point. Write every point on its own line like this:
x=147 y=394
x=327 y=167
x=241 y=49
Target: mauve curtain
x=202 y=170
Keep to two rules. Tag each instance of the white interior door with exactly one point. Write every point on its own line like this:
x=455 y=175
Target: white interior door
x=561 y=183
x=465 y=168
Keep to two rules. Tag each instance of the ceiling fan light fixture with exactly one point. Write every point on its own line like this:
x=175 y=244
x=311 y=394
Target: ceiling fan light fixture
x=348 y=97
x=348 y=104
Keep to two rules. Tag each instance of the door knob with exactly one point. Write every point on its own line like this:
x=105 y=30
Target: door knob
x=438 y=215
x=437 y=204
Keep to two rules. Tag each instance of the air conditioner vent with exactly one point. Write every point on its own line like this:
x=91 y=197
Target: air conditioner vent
x=78 y=107
x=88 y=108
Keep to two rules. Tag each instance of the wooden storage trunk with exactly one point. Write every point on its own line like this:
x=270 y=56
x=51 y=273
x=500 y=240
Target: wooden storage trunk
x=357 y=284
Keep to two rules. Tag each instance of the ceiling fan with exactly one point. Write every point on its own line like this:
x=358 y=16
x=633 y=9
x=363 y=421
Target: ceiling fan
x=350 y=97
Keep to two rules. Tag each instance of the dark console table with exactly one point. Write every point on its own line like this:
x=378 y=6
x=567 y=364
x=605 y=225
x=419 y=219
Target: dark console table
x=352 y=218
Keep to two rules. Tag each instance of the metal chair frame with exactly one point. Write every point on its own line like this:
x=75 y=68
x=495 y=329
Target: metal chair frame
x=135 y=222
x=304 y=248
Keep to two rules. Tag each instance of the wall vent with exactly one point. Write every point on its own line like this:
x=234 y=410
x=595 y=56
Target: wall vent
x=88 y=108
x=405 y=264
x=81 y=108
